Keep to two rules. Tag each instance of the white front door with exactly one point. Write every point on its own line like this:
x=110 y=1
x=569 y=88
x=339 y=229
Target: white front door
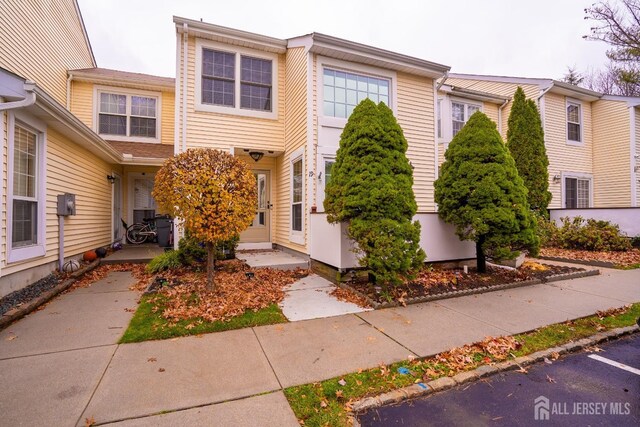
x=259 y=230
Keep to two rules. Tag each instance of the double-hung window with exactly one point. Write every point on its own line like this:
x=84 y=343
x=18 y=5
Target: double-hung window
x=236 y=82
x=460 y=113
x=574 y=122
x=25 y=193
x=342 y=91
x=128 y=116
x=577 y=193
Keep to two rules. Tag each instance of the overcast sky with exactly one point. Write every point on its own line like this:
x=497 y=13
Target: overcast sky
x=534 y=38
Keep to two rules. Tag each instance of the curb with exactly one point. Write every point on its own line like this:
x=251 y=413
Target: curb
x=593 y=263
x=15 y=314
x=444 y=383
x=475 y=291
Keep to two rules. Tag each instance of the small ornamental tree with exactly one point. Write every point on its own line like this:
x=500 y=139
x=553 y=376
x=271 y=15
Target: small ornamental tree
x=525 y=140
x=371 y=189
x=213 y=192
x=482 y=195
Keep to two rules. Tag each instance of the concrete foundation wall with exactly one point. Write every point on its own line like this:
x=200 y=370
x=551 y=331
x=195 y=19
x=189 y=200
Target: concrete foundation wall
x=627 y=218
x=330 y=245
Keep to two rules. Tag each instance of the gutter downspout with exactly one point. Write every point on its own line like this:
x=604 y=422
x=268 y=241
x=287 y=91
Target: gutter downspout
x=540 y=103
x=634 y=156
x=30 y=99
x=185 y=48
x=69 y=79
x=178 y=96
x=504 y=104
x=436 y=150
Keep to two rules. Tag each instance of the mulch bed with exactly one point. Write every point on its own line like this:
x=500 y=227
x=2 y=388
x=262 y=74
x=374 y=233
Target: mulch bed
x=433 y=282
x=623 y=258
x=24 y=295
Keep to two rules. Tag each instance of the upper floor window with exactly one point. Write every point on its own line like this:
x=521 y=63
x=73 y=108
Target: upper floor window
x=574 y=122
x=460 y=113
x=343 y=91
x=221 y=78
x=128 y=115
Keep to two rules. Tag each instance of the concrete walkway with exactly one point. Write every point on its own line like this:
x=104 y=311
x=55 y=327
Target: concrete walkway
x=61 y=364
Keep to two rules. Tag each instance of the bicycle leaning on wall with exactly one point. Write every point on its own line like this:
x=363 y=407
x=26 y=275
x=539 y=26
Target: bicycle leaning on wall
x=145 y=231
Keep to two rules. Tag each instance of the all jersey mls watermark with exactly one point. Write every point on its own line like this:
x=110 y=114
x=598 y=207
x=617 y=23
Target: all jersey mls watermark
x=543 y=409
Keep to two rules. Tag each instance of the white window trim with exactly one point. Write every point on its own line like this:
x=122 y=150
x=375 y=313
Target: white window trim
x=97 y=90
x=238 y=52
x=568 y=102
x=38 y=127
x=336 y=64
x=297 y=236
x=577 y=175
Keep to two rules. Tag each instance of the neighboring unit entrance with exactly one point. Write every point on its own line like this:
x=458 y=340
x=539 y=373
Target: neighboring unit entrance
x=259 y=230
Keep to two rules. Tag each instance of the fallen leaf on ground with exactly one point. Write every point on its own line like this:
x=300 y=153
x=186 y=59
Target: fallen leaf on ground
x=152 y=359
x=349 y=296
x=88 y=422
x=522 y=370
x=342 y=382
x=11 y=338
x=339 y=394
x=551 y=380
x=160 y=369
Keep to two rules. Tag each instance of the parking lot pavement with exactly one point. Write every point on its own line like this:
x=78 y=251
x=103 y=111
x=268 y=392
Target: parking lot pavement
x=588 y=388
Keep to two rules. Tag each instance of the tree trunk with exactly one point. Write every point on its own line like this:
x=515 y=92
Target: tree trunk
x=211 y=266
x=480 y=258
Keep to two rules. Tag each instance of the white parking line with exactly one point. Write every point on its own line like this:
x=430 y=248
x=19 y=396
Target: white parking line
x=614 y=363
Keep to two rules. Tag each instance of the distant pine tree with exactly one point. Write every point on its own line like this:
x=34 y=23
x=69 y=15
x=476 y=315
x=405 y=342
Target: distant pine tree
x=525 y=140
x=371 y=188
x=481 y=193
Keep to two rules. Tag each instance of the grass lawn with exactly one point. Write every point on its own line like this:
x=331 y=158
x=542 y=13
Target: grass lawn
x=149 y=325
x=326 y=403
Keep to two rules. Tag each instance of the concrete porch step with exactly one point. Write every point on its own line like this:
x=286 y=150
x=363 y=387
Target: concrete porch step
x=273 y=258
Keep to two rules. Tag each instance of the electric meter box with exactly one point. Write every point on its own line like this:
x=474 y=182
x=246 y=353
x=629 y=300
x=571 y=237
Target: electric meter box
x=66 y=204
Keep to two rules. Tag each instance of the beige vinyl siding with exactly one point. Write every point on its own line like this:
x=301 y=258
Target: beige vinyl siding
x=82 y=106
x=167 y=118
x=222 y=131
x=491 y=110
x=41 y=40
x=295 y=137
x=416 y=116
x=611 y=151
x=564 y=157
x=82 y=101
x=72 y=169
x=498 y=88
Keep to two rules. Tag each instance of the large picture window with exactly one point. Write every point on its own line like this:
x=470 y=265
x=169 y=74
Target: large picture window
x=342 y=91
x=127 y=115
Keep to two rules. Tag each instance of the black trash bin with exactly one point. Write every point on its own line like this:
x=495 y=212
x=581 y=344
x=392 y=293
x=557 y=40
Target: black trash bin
x=163 y=226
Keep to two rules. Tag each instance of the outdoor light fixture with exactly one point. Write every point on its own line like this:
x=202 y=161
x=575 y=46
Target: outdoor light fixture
x=256 y=155
x=111 y=179
x=556 y=179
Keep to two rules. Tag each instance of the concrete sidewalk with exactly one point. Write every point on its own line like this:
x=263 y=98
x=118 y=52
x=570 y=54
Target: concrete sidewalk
x=61 y=365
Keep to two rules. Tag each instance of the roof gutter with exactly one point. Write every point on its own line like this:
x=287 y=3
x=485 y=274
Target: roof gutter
x=504 y=104
x=444 y=79
x=30 y=98
x=56 y=110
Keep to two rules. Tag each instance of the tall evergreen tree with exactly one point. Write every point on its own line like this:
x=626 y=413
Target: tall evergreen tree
x=481 y=193
x=525 y=140
x=371 y=189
